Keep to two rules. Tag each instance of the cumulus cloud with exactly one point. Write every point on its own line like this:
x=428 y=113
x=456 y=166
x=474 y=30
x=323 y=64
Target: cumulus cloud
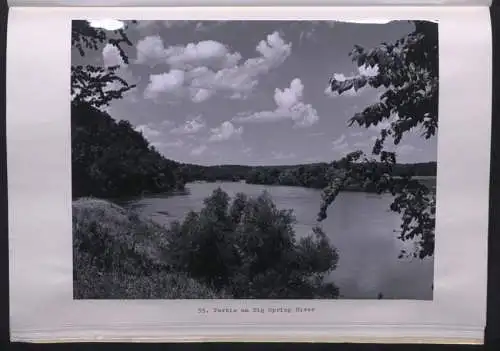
x=200 y=95
x=170 y=82
x=151 y=50
x=225 y=131
x=192 y=126
x=241 y=79
x=210 y=53
x=289 y=106
x=210 y=67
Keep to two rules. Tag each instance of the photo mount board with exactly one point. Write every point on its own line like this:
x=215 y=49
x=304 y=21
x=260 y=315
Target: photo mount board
x=39 y=180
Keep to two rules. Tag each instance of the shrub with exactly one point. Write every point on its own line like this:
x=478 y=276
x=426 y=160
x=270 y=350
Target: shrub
x=249 y=249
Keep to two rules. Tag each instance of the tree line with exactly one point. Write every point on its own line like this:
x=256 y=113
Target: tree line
x=314 y=175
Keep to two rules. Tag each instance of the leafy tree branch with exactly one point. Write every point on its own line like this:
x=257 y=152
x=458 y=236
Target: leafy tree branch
x=97 y=86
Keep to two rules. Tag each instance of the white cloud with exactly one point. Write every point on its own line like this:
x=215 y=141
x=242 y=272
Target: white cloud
x=147 y=131
x=289 y=105
x=210 y=53
x=365 y=71
x=111 y=56
x=207 y=53
x=151 y=50
x=164 y=83
x=200 y=95
x=210 y=67
x=241 y=79
x=190 y=126
x=225 y=131
x=289 y=97
x=107 y=24
x=199 y=150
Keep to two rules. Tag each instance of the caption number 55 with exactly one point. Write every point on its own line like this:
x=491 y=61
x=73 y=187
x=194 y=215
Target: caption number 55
x=202 y=311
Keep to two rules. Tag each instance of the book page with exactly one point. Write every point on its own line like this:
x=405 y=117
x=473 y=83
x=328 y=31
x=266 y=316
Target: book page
x=248 y=174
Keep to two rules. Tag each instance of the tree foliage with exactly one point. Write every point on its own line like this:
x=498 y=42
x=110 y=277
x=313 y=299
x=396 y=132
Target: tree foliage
x=408 y=70
x=96 y=85
x=111 y=159
x=319 y=175
x=249 y=249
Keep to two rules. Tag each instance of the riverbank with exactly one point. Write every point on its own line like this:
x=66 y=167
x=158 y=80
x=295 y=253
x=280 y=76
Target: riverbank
x=119 y=254
x=122 y=254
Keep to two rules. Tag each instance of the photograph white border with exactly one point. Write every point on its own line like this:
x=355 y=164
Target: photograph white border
x=39 y=191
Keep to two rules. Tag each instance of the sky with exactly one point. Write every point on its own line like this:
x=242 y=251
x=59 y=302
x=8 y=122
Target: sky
x=250 y=92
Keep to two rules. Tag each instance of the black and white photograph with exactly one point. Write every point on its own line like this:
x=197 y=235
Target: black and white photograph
x=254 y=159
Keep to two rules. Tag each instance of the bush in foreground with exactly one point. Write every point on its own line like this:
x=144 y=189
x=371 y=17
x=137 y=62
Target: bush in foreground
x=249 y=249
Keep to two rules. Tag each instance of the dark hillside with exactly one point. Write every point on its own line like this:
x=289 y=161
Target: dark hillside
x=111 y=159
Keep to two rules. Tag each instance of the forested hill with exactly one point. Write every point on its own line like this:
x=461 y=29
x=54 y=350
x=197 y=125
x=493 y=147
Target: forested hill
x=111 y=159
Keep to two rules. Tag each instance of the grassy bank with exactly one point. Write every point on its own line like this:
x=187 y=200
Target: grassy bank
x=118 y=254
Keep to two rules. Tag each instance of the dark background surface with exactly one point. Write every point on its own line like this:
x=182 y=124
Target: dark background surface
x=492 y=332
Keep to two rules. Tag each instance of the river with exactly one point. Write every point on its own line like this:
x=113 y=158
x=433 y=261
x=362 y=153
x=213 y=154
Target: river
x=359 y=225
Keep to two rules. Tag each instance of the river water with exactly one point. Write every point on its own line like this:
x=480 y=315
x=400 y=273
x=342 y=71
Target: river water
x=359 y=225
